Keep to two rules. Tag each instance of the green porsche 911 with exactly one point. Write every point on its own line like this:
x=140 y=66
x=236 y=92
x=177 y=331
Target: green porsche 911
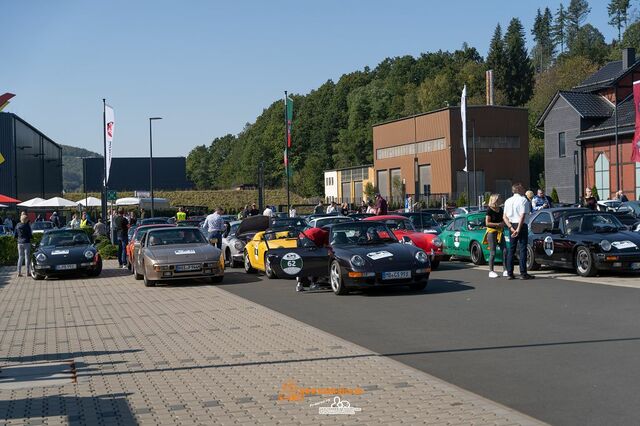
x=463 y=237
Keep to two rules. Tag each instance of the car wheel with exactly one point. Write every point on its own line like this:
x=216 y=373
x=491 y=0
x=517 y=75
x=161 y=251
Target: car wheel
x=335 y=276
x=584 y=263
x=247 y=264
x=532 y=265
x=268 y=270
x=136 y=275
x=97 y=270
x=435 y=263
x=477 y=257
x=36 y=276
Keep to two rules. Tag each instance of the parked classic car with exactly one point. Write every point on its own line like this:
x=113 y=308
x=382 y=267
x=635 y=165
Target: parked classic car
x=177 y=253
x=362 y=254
x=234 y=241
x=133 y=247
x=424 y=222
x=256 y=250
x=404 y=230
x=581 y=239
x=463 y=238
x=63 y=251
x=322 y=221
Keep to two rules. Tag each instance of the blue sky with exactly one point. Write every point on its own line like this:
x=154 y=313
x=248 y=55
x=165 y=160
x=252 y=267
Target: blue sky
x=209 y=67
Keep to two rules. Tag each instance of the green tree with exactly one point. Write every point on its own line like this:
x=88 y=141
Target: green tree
x=518 y=85
x=198 y=167
x=497 y=58
x=543 y=51
x=369 y=191
x=589 y=42
x=554 y=196
x=618 y=13
x=559 y=28
x=577 y=13
x=219 y=154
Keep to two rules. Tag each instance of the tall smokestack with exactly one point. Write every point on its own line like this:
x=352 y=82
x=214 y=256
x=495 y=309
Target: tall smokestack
x=489 y=86
x=628 y=57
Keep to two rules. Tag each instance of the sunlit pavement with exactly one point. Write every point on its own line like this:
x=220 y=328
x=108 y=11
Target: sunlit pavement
x=110 y=351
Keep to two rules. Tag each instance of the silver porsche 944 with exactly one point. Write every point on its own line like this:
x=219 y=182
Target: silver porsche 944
x=178 y=253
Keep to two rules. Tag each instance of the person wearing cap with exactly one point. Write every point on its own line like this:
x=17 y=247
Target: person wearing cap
x=381 y=205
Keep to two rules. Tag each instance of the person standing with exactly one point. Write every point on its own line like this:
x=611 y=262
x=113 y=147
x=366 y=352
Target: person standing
x=122 y=236
x=494 y=235
x=332 y=208
x=85 y=222
x=8 y=223
x=540 y=201
x=515 y=213
x=371 y=208
x=381 y=205
x=142 y=214
x=254 y=210
x=23 y=234
x=56 y=220
x=319 y=208
x=181 y=215
x=293 y=212
x=344 y=210
x=621 y=197
x=268 y=212
x=100 y=229
x=75 y=223
x=214 y=224
x=590 y=201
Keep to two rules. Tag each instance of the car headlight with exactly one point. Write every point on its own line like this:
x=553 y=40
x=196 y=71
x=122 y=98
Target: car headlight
x=605 y=245
x=422 y=257
x=41 y=257
x=238 y=245
x=437 y=242
x=357 y=260
x=88 y=254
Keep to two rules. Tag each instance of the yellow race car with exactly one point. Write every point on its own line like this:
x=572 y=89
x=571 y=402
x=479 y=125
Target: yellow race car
x=255 y=251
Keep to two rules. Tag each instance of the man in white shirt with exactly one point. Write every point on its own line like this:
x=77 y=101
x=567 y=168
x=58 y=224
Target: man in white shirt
x=516 y=209
x=332 y=207
x=292 y=211
x=214 y=224
x=268 y=212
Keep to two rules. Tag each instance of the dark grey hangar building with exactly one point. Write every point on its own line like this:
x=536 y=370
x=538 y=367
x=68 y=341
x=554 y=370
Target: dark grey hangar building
x=31 y=163
x=132 y=174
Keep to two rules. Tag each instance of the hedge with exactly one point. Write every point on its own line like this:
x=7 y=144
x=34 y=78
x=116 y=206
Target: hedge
x=9 y=248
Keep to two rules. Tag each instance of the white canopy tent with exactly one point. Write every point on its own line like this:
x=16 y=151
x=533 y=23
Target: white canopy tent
x=143 y=203
x=90 y=202
x=3 y=206
x=58 y=202
x=31 y=203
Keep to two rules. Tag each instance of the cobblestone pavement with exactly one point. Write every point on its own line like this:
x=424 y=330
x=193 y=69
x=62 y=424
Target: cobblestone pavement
x=193 y=353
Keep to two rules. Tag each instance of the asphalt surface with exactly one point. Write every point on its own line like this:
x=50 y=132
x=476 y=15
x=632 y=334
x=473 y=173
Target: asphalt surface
x=563 y=352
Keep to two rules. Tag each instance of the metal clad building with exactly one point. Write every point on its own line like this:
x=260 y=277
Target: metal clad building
x=132 y=174
x=33 y=162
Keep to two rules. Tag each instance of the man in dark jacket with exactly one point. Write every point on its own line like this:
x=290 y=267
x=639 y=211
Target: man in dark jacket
x=55 y=219
x=122 y=237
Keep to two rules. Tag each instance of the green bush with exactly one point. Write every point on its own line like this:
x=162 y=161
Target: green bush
x=8 y=250
x=554 y=195
x=594 y=192
x=462 y=200
x=108 y=251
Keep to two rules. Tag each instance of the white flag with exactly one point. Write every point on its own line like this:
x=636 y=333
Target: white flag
x=463 y=114
x=109 y=122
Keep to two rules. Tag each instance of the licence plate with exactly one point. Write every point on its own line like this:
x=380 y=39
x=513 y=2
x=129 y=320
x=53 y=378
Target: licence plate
x=65 y=267
x=635 y=266
x=396 y=275
x=184 y=268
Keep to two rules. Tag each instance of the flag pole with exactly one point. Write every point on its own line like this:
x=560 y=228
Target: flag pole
x=104 y=142
x=286 y=148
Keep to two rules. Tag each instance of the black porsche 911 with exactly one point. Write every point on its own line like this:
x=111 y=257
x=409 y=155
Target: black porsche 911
x=65 y=251
x=584 y=240
x=361 y=254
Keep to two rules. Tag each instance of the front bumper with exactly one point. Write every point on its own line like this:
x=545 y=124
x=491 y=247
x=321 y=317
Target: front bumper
x=374 y=279
x=163 y=272
x=47 y=269
x=618 y=262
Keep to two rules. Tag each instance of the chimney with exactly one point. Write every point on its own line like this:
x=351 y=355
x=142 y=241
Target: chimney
x=489 y=86
x=628 y=57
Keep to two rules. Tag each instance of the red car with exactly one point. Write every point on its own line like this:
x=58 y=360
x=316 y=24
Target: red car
x=132 y=247
x=403 y=227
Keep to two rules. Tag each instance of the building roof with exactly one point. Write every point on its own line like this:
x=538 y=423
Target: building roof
x=607 y=127
x=587 y=105
x=610 y=72
x=445 y=109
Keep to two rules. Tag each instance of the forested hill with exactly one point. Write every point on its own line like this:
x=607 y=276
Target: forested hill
x=72 y=167
x=332 y=124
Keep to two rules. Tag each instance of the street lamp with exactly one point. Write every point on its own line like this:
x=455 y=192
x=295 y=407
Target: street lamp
x=151 y=162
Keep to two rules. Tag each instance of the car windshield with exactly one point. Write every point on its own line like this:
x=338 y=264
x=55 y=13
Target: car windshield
x=325 y=221
x=402 y=225
x=39 y=226
x=65 y=238
x=285 y=222
x=154 y=220
x=361 y=233
x=234 y=228
x=175 y=236
x=590 y=223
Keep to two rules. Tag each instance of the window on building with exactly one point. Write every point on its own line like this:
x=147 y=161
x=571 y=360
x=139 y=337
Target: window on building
x=602 y=176
x=637 y=194
x=346 y=192
x=383 y=182
x=357 y=191
x=411 y=149
x=562 y=146
x=396 y=184
x=424 y=173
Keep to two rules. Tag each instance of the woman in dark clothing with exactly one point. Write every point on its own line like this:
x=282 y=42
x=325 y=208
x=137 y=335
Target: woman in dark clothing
x=494 y=236
x=23 y=236
x=590 y=201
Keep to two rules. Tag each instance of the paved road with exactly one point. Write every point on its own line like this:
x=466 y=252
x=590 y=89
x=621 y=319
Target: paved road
x=564 y=352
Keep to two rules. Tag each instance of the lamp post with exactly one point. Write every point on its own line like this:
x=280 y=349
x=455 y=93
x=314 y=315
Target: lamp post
x=151 y=162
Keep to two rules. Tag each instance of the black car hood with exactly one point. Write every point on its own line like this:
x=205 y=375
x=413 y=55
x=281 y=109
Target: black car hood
x=381 y=257
x=253 y=224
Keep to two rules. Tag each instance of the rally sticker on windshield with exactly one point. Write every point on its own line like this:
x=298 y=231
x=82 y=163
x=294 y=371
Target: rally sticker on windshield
x=291 y=263
x=377 y=255
x=621 y=245
x=179 y=252
x=59 y=252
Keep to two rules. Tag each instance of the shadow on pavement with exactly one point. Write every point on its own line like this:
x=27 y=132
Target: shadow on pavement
x=100 y=409
x=435 y=286
x=65 y=355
